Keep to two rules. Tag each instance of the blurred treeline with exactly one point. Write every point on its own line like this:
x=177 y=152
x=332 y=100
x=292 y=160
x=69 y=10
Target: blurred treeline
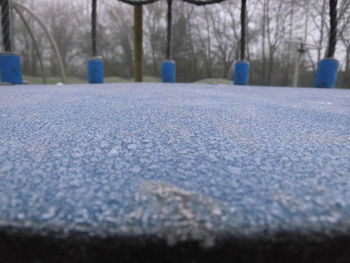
x=205 y=39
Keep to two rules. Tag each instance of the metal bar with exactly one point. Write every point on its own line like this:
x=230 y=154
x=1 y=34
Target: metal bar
x=333 y=28
x=94 y=27
x=301 y=50
x=243 y=27
x=138 y=15
x=169 y=31
x=138 y=2
x=203 y=2
x=49 y=36
x=6 y=24
x=35 y=43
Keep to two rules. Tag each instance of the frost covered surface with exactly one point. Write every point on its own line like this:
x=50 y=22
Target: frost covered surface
x=180 y=161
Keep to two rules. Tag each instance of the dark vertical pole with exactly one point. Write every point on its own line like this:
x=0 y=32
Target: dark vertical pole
x=169 y=66
x=6 y=24
x=328 y=68
x=333 y=28
x=242 y=67
x=169 y=31
x=138 y=43
x=94 y=27
x=243 y=27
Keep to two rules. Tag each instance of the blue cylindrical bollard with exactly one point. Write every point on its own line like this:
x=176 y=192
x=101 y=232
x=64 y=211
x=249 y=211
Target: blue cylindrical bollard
x=96 y=70
x=169 y=71
x=241 y=73
x=10 y=68
x=327 y=72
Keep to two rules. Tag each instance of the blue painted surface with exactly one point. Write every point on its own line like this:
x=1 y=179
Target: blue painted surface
x=327 y=72
x=95 y=71
x=169 y=71
x=10 y=68
x=241 y=73
x=179 y=160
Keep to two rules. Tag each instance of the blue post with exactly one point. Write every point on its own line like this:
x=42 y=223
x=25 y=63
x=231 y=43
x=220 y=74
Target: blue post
x=169 y=71
x=96 y=70
x=327 y=72
x=241 y=73
x=10 y=68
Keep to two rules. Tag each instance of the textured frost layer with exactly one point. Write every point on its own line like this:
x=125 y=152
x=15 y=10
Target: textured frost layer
x=183 y=161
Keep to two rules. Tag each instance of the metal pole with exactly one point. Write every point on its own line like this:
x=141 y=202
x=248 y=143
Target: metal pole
x=35 y=43
x=6 y=24
x=301 y=50
x=138 y=13
x=333 y=28
x=169 y=31
x=93 y=27
x=243 y=27
x=306 y=30
x=328 y=68
x=242 y=68
x=49 y=36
